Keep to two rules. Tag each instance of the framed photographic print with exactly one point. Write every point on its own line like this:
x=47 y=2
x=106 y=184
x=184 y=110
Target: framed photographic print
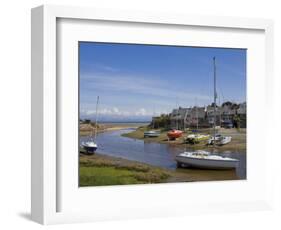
x=157 y=111
x=151 y=114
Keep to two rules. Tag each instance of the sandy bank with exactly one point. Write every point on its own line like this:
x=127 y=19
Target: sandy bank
x=87 y=129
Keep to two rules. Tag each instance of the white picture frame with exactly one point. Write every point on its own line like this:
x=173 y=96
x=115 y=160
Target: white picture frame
x=50 y=192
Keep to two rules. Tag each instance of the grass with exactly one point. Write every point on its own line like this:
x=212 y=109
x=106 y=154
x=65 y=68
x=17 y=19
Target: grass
x=97 y=176
x=162 y=138
x=99 y=171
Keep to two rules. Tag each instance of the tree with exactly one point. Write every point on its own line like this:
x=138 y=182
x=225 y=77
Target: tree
x=236 y=121
x=163 y=121
x=87 y=121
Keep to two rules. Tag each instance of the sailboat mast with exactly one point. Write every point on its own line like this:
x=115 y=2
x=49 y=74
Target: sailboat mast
x=153 y=122
x=96 y=121
x=196 y=112
x=215 y=99
x=177 y=117
x=219 y=110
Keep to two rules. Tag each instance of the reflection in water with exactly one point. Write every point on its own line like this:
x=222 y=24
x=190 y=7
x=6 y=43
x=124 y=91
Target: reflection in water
x=113 y=144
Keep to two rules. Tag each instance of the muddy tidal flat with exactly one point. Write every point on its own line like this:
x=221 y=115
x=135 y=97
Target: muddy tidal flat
x=124 y=156
x=102 y=170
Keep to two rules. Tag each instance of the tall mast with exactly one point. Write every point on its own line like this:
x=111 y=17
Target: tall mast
x=196 y=112
x=215 y=99
x=96 y=121
x=178 y=111
x=219 y=109
x=153 y=124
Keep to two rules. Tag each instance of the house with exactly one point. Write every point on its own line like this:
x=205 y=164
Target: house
x=178 y=117
x=226 y=115
x=242 y=110
x=242 y=113
x=196 y=117
x=210 y=114
x=228 y=111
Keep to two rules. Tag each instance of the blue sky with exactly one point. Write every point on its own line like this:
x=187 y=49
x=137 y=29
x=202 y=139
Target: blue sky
x=135 y=82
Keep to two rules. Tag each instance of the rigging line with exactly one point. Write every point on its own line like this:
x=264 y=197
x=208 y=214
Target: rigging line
x=220 y=90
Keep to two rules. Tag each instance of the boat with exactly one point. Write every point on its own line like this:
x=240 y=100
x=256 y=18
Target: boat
x=224 y=140
x=196 y=138
x=151 y=133
x=90 y=146
x=214 y=138
x=173 y=134
x=205 y=160
x=217 y=138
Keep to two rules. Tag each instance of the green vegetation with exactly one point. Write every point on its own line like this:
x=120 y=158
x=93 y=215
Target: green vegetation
x=161 y=122
x=97 y=171
x=162 y=138
x=237 y=121
x=101 y=170
x=93 y=176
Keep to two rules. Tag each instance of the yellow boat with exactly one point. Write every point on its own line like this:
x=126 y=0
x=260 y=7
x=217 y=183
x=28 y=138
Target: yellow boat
x=196 y=138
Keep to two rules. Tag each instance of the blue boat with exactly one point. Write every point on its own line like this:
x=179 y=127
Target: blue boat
x=151 y=133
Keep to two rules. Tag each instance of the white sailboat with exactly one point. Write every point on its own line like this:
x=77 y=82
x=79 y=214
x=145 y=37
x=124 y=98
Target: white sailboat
x=203 y=159
x=217 y=138
x=90 y=145
x=196 y=137
x=152 y=133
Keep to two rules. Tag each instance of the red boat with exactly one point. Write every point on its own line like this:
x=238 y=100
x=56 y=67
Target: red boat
x=173 y=134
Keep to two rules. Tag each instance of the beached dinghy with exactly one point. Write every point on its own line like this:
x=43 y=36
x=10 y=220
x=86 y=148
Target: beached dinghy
x=219 y=140
x=196 y=138
x=173 y=134
x=91 y=146
x=224 y=140
x=151 y=133
x=203 y=159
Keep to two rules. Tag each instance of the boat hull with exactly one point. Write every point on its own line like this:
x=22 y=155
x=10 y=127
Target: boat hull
x=172 y=135
x=196 y=139
x=225 y=141
x=206 y=163
x=151 y=134
x=90 y=149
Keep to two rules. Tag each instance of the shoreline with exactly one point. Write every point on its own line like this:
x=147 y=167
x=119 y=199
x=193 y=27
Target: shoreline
x=101 y=170
x=237 y=144
x=107 y=127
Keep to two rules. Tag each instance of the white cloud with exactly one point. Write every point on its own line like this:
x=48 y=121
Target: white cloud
x=141 y=112
x=114 y=111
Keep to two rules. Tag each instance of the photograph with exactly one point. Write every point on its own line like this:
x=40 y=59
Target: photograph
x=151 y=113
